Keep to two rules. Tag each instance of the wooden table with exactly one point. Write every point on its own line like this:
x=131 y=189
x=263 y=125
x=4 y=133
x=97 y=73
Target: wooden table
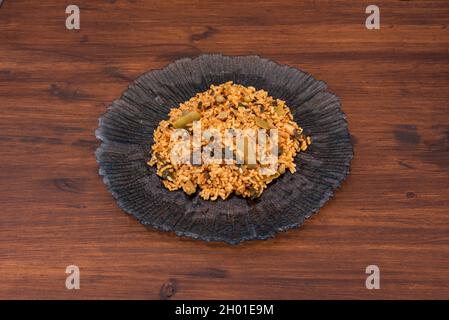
x=392 y=211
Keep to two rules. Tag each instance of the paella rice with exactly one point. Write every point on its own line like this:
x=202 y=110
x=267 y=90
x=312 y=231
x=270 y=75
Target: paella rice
x=227 y=110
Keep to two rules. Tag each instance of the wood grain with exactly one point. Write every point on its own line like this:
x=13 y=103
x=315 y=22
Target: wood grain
x=392 y=211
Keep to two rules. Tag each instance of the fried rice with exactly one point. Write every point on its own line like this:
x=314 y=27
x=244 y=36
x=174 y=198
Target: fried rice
x=227 y=108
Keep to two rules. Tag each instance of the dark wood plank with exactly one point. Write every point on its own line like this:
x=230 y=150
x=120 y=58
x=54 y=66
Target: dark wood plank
x=392 y=211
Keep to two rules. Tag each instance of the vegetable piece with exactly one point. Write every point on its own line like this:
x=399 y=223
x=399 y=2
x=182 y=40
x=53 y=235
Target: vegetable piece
x=223 y=115
x=167 y=175
x=219 y=99
x=187 y=119
x=253 y=192
x=248 y=150
x=158 y=156
x=262 y=123
x=279 y=110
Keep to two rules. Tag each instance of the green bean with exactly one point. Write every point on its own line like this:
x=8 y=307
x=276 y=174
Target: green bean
x=248 y=150
x=187 y=119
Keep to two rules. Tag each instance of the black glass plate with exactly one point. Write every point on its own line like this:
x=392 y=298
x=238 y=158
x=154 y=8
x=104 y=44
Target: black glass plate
x=126 y=131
